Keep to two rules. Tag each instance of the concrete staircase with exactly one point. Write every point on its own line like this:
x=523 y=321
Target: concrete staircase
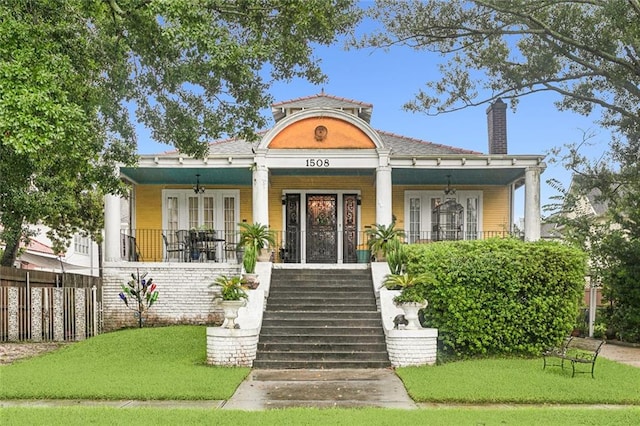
x=321 y=319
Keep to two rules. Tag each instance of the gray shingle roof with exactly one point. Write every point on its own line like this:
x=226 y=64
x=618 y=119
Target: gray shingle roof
x=399 y=145
x=402 y=145
x=322 y=100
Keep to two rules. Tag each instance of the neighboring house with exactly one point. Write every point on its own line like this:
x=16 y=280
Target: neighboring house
x=319 y=179
x=587 y=205
x=81 y=257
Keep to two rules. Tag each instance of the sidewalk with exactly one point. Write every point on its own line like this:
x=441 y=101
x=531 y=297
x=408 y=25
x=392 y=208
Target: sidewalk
x=344 y=388
x=624 y=354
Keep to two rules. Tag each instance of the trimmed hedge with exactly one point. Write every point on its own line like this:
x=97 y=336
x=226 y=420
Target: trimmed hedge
x=500 y=296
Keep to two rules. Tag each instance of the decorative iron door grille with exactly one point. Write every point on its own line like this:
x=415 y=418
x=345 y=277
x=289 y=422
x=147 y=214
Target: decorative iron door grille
x=322 y=232
x=350 y=226
x=291 y=250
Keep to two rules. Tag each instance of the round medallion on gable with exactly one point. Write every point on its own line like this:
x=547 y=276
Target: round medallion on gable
x=320 y=133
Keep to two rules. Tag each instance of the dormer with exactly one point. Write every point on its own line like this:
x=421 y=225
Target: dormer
x=360 y=109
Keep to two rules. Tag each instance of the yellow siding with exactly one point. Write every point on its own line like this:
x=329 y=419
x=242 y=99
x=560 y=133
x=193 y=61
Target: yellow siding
x=495 y=205
x=148 y=211
x=495 y=209
x=364 y=184
x=149 y=207
x=495 y=201
x=246 y=205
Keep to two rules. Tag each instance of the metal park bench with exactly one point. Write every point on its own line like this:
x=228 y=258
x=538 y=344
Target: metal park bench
x=576 y=351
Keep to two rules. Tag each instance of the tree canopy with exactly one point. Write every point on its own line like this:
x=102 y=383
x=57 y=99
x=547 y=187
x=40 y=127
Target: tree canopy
x=72 y=71
x=588 y=52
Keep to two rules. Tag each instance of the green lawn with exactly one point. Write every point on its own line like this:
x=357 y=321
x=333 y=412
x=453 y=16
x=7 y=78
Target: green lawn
x=520 y=381
x=149 y=363
x=169 y=363
x=301 y=416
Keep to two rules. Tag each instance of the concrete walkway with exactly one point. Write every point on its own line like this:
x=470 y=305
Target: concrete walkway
x=344 y=388
x=629 y=355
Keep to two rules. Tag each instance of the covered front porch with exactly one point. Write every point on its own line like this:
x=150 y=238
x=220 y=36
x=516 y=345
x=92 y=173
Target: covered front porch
x=188 y=210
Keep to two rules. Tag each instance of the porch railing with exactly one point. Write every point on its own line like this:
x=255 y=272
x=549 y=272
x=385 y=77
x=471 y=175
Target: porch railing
x=158 y=245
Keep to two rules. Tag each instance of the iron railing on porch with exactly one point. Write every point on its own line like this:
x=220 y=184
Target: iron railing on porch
x=292 y=246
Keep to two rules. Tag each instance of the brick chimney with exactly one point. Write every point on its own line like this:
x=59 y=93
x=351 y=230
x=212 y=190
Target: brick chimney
x=497 y=127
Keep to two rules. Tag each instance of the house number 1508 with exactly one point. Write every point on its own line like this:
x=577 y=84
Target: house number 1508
x=317 y=162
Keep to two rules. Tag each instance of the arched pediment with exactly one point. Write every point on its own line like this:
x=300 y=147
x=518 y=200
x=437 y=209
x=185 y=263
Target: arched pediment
x=322 y=128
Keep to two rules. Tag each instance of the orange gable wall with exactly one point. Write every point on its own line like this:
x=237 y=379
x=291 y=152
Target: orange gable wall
x=340 y=135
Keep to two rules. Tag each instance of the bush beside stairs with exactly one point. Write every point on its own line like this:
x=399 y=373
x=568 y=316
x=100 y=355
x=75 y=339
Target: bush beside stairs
x=321 y=319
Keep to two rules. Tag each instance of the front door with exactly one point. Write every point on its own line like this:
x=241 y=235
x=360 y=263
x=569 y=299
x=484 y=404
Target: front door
x=322 y=228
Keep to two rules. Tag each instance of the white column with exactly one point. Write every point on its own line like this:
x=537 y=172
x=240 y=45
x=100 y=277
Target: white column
x=111 y=228
x=532 y=204
x=261 y=194
x=383 y=195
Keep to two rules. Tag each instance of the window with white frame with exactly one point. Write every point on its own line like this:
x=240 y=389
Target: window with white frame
x=423 y=223
x=215 y=210
x=81 y=244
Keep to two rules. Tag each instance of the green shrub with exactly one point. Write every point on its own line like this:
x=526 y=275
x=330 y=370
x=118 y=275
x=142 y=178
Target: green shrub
x=500 y=296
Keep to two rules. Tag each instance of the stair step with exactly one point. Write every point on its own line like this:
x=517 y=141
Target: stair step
x=319 y=315
x=321 y=319
x=318 y=307
x=304 y=297
x=320 y=339
x=320 y=331
x=275 y=364
x=321 y=356
x=350 y=347
x=322 y=322
x=289 y=288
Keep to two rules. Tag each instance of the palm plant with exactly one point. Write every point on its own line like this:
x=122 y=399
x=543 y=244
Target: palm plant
x=382 y=237
x=255 y=234
x=396 y=257
x=250 y=258
x=231 y=288
x=412 y=286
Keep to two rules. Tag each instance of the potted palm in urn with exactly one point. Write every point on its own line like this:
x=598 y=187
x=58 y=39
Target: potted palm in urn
x=412 y=295
x=249 y=260
x=232 y=297
x=258 y=236
x=382 y=239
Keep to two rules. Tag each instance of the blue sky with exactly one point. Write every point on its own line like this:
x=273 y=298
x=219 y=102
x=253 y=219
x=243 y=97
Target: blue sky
x=389 y=79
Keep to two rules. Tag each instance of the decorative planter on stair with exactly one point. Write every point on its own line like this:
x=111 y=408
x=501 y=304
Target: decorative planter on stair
x=230 y=308
x=411 y=310
x=235 y=347
x=251 y=281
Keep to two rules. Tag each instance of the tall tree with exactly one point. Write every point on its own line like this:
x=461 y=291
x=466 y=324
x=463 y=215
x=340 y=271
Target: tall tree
x=588 y=52
x=193 y=71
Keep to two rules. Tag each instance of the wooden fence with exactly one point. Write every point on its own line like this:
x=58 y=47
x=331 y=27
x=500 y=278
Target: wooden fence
x=45 y=306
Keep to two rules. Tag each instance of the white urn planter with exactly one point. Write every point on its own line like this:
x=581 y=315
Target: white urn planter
x=251 y=281
x=230 y=308
x=411 y=310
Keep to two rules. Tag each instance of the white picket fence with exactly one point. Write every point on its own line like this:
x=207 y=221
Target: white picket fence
x=40 y=314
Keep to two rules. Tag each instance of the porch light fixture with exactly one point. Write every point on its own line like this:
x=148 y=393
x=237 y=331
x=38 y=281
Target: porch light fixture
x=284 y=199
x=359 y=199
x=197 y=188
x=449 y=190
